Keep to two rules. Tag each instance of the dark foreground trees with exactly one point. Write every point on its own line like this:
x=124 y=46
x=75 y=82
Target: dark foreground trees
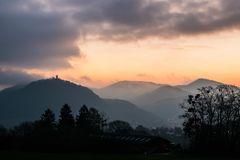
x=47 y=133
x=212 y=119
x=90 y=121
x=120 y=127
x=89 y=131
x=66 y=118
x=66 y=124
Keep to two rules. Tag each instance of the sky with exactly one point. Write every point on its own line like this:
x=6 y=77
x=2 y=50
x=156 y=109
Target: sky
x=99 y=42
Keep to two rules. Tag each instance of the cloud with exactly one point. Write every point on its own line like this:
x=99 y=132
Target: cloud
x=42 y=33
x=12 y=77
x=134 y=19
x=86 y=79
x=144 y=75
x=30 y=36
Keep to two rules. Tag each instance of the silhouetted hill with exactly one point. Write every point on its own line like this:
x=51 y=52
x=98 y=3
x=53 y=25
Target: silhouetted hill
x=27 y=102
x=126 y=89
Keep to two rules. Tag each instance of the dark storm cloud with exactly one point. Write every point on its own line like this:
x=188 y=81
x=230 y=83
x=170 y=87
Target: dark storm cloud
x=31 y=37
x=12 y=77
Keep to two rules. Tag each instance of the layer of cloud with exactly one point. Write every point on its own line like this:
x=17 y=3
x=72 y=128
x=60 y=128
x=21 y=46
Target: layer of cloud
x=42 y=33
x=134 y=19
x=12 y=77
x=32 y=36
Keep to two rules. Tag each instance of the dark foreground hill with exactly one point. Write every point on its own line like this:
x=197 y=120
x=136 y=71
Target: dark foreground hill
x=26 y=103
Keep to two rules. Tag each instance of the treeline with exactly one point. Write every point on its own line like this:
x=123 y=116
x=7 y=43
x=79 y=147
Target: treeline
x=212 y=120
x=81 y=133
x=48 y=134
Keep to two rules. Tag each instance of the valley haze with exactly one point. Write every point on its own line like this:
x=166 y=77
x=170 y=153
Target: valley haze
x=137 y=102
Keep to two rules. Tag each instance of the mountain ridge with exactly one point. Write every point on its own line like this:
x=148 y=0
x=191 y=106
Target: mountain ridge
x=28 y=103
x=199 y=83
x=126 y=89
x=165 y=101
x=160 y=93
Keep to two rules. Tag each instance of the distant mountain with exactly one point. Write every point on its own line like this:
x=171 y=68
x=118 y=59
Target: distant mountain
x=199 y=83
x=123 y=110
x=160 y=93
x=25 y=103
x=126 y=89
x=165 y=101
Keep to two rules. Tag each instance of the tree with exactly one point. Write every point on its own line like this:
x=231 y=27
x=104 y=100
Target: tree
x=120 y=127
x=66 y=119
x=82 y=120
x=3 y=131
x=48 y=119
x=46 y=126
x=25 y=129
x=97 y=121
x=3 y=136
x=212 y=118
x=90 y=121
x=142 y=131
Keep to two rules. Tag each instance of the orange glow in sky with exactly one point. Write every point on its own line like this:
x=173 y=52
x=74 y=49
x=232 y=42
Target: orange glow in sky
x=174 y=61
x=97 y=42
